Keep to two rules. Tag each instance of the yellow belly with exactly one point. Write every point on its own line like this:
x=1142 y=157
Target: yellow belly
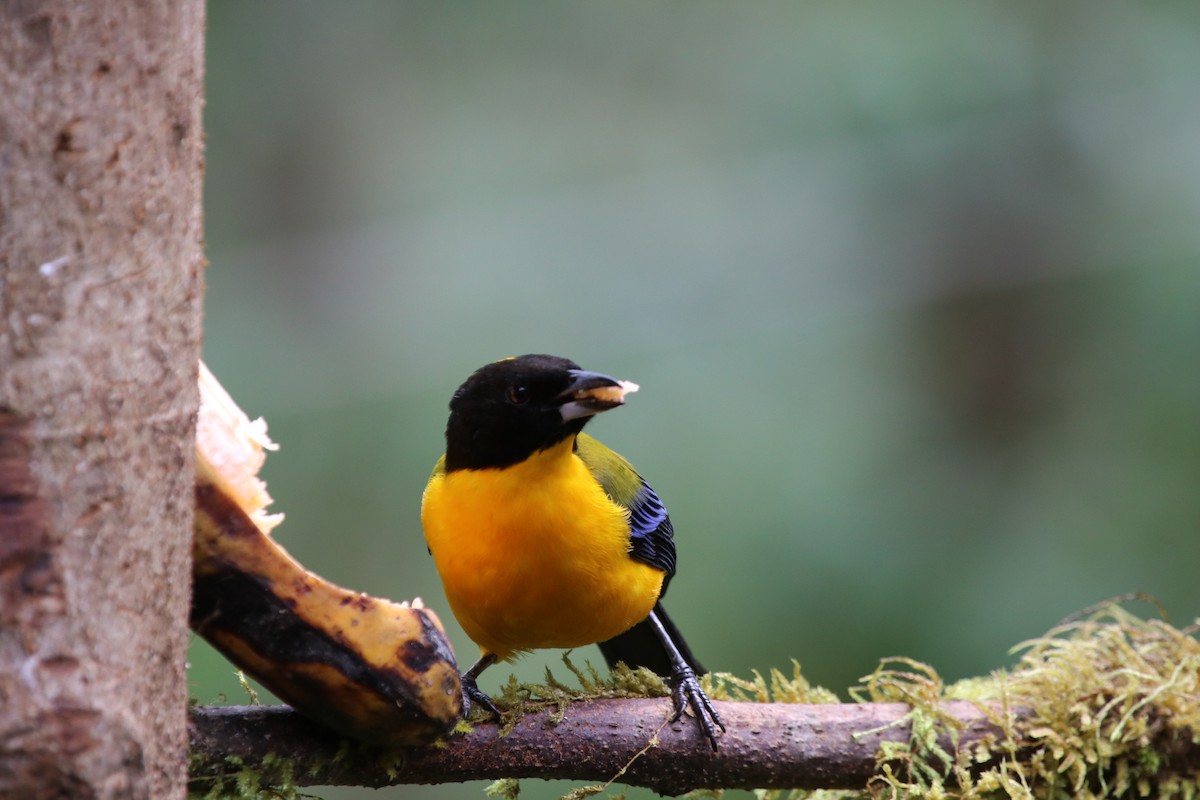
x=535 y=555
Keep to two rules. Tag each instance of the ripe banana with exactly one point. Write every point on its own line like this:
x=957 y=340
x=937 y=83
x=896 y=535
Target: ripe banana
x=371 y=669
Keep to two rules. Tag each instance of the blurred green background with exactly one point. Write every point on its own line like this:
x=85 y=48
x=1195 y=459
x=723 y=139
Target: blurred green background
x=912 y=292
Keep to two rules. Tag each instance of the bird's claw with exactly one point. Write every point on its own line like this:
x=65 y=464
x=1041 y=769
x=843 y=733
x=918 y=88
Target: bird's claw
x=685 y=691
x=472 y=694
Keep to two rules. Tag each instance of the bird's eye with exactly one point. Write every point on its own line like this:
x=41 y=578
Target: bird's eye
x=518 y=394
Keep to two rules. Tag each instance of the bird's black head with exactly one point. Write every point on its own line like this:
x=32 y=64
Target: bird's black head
x=510 y=409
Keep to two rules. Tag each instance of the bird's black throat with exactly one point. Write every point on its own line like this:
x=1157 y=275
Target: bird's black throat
x=469 y=447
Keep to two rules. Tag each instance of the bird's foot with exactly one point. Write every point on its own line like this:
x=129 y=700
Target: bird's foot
x=471 y=694
x=685 y=691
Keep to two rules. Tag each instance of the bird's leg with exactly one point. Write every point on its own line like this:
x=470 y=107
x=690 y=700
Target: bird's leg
x=470 y=690
x=685 y=687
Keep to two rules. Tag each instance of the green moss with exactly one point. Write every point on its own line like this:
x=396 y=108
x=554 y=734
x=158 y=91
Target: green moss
x=245 y=783
x=1080 y=717
x=241 y=782
x=1102 y=692
x=778 y=689
x=515 y=700
x=1086 y=705
x=251 y=692
x=584 y=792
x=504 y=789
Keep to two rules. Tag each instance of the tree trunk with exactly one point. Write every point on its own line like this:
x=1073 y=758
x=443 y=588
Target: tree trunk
x=100 y=289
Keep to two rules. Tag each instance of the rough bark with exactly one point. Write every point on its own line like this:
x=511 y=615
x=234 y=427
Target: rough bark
x=100 y=285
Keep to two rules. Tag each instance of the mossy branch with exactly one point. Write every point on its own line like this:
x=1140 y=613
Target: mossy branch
x=1108 y=706
x=768 y=745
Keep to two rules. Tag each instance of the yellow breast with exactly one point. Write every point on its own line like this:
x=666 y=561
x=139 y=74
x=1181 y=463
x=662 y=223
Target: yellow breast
x=535 y=555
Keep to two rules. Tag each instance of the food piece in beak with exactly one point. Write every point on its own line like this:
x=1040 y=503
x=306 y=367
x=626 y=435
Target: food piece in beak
x=592 y=393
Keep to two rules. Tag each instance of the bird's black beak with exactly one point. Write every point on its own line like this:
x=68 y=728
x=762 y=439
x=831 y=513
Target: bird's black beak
x=590 y=393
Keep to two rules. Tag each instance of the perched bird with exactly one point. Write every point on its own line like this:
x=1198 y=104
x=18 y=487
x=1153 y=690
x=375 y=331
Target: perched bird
x=544 y=537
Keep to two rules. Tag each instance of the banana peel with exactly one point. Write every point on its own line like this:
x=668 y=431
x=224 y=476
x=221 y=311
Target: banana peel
x=371 y=669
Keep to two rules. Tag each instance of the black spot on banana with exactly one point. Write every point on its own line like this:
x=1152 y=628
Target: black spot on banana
x=371 y=669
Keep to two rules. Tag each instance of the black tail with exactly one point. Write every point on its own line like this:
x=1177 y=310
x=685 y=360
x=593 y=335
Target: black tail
x=640 y=647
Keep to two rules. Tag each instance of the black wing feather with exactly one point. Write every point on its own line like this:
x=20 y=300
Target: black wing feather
x=651 y=535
